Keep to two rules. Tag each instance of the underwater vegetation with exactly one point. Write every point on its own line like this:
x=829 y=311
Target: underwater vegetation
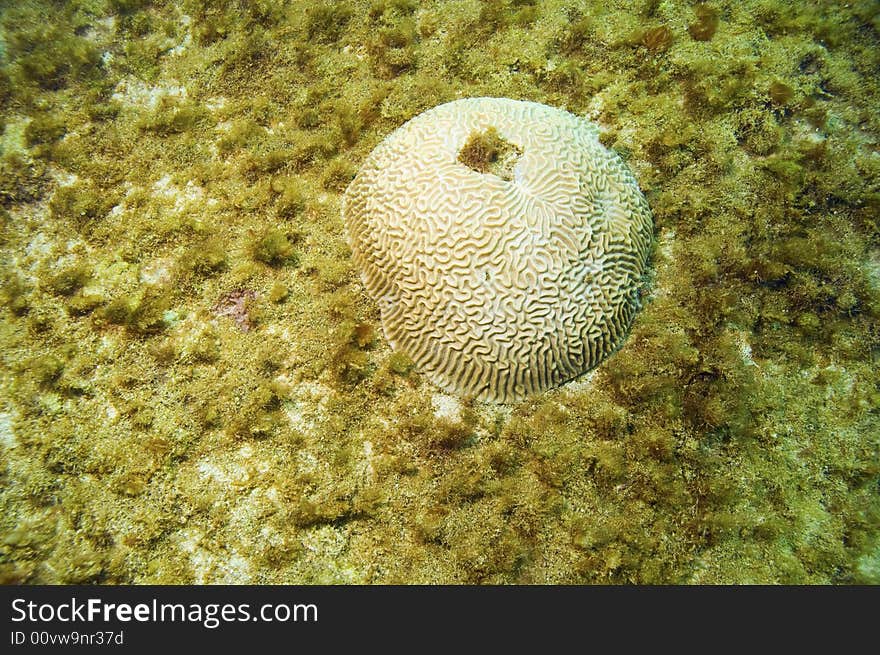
x=196 y=387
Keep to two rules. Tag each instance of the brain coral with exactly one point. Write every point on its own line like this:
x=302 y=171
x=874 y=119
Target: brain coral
x=503 y=243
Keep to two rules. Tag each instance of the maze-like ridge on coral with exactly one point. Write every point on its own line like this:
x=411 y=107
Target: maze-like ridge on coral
x=496 y=288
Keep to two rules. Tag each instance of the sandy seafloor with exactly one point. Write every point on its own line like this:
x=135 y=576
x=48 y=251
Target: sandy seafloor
x=196 y=388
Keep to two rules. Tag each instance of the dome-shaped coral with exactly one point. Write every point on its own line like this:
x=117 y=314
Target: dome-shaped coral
x=504 y=244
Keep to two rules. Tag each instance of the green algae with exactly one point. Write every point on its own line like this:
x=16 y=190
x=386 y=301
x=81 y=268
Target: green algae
x=488 y=152
x=163 y=157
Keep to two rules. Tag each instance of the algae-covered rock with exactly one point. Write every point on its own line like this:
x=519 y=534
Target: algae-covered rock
x=172 y=173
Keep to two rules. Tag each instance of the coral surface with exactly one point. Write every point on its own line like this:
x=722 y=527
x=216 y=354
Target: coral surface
x=504 y=245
